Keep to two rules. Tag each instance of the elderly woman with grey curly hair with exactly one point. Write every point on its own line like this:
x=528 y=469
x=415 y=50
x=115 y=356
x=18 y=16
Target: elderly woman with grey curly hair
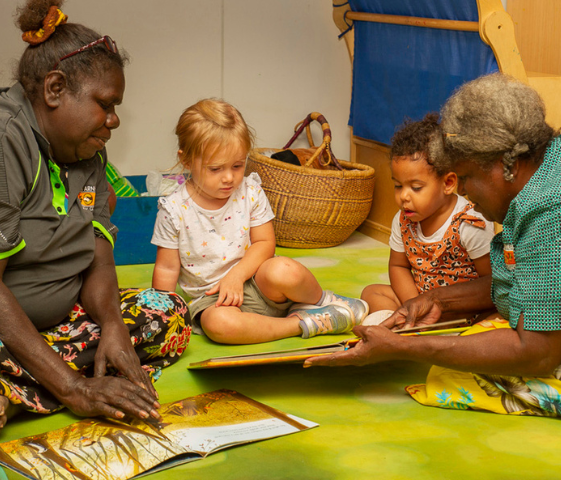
x=508 y=161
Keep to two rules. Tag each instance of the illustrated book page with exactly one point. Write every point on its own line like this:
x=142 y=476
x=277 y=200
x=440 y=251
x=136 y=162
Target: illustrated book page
x=106 y=449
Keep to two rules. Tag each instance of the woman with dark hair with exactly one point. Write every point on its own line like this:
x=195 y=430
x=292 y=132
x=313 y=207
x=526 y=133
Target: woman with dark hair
x=508 y=162
x=65 y=326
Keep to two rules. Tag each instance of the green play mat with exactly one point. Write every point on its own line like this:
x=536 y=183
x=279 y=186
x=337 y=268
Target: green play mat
x=369 y=427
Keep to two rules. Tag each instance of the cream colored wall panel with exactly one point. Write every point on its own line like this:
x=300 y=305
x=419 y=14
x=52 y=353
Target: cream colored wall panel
x=10 y=39
x=174 y=47
x=276 y=60
x=283 y=60
x=175 y=51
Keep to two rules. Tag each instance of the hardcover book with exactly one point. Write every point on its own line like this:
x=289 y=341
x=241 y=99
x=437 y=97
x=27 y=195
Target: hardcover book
x=299 y=355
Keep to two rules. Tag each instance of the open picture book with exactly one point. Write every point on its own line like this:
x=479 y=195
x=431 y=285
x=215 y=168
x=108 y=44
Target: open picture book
x=107 y=449
x=299 y=355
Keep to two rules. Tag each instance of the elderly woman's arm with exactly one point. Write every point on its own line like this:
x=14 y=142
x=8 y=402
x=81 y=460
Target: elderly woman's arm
x=108 y=396
x=462 y=300
x=502 y=352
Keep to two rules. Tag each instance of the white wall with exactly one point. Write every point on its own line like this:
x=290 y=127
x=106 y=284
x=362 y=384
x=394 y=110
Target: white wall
x=275 y=60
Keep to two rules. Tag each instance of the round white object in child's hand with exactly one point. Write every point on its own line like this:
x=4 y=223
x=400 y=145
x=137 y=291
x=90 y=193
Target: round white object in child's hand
x=378 y=317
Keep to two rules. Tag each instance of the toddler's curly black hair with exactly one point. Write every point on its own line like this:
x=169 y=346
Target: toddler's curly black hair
x=413 y=137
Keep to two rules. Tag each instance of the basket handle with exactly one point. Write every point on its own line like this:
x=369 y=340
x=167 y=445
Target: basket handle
x=325 y=145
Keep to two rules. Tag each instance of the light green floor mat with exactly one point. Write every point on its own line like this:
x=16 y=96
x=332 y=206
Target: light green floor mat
x=369 y=427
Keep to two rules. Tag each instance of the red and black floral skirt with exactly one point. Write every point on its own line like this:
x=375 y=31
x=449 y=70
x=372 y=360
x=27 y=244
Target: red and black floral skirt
x=156 y=322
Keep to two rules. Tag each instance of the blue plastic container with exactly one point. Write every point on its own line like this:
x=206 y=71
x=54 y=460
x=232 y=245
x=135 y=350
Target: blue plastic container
x=135 y=218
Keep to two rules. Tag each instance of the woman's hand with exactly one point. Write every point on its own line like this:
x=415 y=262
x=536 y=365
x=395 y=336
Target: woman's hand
x=461 y=300
x=229 y=289
x=498 y=351
x=115 y=349
x=377 y=344
x=421 y=310
x=100 y=298
x=110 y=396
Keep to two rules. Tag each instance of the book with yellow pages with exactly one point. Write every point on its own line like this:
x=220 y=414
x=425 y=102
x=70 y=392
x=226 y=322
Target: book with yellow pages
x=299 y=355
x=190 y=429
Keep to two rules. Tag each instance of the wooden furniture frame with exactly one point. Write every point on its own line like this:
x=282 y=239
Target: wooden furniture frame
x=496 y=29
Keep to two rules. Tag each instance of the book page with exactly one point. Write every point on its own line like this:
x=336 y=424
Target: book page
x=104 y=449
x=299 y=355
x=296 y=355
x=89 y=449
x=284 y=357
x=209 y=422
x=205 y=440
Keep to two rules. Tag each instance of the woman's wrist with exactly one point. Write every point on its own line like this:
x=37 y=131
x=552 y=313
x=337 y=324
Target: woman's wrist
x=463 y=298
x=63 y=384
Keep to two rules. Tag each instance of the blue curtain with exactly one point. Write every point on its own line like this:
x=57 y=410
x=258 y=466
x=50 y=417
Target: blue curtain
x=403 y=71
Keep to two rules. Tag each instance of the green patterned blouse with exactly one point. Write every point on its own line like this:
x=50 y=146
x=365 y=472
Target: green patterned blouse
x=529 y=283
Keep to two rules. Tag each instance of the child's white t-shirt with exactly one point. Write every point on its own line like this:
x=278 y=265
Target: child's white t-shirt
x=476 y=241
x=210 y=242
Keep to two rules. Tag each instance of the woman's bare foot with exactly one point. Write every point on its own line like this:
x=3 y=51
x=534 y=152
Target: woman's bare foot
x=7 y=410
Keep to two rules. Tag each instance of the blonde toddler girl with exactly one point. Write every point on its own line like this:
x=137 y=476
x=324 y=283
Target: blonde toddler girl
x=215 y=237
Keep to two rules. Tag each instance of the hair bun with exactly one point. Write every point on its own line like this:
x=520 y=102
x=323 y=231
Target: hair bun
x=30 y=16
x=54 y=18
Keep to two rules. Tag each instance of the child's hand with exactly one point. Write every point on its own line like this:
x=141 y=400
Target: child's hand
x=230 y=291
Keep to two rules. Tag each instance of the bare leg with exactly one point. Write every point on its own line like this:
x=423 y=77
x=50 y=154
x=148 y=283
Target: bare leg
x=380 y=297
x=281 y=278
x=232 y=326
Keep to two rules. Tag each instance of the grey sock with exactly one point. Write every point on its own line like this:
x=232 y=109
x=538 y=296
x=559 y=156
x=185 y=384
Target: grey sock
x=321 y=299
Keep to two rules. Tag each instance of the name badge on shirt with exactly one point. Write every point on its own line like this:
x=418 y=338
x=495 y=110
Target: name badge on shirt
x=87 y=198
x=510 y=261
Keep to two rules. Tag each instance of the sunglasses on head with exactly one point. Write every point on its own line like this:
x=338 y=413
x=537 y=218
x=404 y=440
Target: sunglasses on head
x=105 y=40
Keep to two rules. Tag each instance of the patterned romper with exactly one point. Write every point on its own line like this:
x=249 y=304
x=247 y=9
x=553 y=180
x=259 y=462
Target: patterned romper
x=441 y=263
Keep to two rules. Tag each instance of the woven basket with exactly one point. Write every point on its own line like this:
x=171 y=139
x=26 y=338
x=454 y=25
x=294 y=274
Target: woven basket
x=314 y=208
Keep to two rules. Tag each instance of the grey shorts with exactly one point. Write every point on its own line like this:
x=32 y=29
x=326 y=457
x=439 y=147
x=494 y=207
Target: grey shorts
x=253 y=301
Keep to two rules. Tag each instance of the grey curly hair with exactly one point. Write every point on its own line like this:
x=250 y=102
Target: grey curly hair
x=489 y=118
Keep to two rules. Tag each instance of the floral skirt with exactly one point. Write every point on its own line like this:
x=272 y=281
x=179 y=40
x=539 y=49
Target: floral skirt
x=449 y=388
x=156 y=322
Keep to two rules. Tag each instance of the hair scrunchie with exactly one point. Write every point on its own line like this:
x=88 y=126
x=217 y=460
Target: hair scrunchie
x=54 y=18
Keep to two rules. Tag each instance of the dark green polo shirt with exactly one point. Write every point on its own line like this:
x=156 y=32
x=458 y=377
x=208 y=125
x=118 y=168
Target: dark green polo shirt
x=47 y=232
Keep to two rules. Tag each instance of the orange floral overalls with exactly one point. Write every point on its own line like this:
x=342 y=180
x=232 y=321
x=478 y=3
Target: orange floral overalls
x=440 y=263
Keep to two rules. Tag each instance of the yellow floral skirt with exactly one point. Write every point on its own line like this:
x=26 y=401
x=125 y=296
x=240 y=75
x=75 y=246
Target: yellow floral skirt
x=447 y=388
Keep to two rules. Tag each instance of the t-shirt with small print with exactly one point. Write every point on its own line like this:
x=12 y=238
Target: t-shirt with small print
x=210 y=242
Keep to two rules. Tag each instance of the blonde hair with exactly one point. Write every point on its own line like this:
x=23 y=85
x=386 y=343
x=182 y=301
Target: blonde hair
x=208 y=126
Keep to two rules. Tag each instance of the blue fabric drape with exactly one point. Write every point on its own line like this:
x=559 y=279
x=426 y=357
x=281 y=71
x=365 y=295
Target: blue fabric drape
x=404 y=71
